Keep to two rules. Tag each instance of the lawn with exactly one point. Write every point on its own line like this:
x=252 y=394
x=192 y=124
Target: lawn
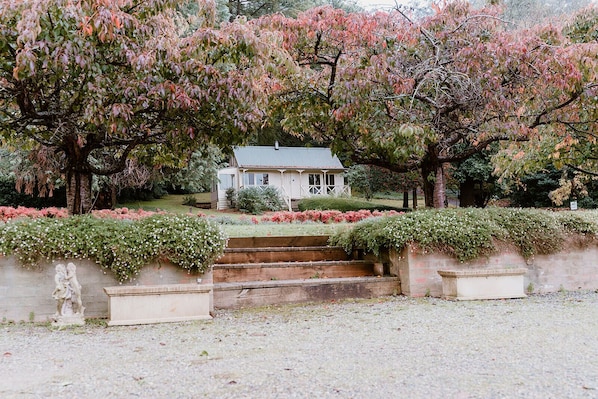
x=284 y=229
x=174 y=203
x=170 y=203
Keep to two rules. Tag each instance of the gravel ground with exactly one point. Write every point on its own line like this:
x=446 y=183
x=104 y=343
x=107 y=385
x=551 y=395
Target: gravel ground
x=543 y=346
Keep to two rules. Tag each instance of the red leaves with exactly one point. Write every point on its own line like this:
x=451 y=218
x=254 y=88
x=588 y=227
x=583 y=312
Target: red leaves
x=327 y=216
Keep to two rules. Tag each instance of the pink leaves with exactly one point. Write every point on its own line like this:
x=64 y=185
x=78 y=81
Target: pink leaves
x=327 y=216
x=9 y=213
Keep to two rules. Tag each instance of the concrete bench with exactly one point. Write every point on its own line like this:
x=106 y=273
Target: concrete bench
x=483 y=283
x=149 y=304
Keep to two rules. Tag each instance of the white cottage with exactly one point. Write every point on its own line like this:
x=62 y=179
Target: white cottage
x=297 y=172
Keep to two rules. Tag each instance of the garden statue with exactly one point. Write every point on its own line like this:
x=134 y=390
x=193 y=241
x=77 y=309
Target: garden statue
x=67 y=293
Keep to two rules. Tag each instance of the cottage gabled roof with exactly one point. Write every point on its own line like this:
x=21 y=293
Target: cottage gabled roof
x=274 y=157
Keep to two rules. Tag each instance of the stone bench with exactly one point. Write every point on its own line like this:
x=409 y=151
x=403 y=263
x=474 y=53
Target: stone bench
x=483 y=283
x=149 y=304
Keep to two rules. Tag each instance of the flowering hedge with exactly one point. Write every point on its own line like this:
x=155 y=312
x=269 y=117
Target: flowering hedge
x=123 y=247
x=470 y=233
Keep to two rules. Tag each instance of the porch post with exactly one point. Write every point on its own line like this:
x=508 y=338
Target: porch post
x=300 y=183
x=242 y=182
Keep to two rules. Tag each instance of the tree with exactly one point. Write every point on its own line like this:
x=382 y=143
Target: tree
x=475 y=178
x=574 y=149
x=417 y=95
x=290 y=8
x=532 y=12
x=94 y=82
x=368 y=180
x=198 y=175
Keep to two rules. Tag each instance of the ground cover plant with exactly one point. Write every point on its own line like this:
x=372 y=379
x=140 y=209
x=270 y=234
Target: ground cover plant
x=470 y=233
x=122 y=246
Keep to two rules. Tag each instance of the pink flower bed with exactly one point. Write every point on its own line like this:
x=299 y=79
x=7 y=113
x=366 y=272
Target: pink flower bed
x=10 y=213
x=330 y=216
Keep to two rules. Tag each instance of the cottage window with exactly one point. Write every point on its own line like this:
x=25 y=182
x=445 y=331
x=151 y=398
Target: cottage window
x=255 y=179
x=315 y=183
x=329 y=184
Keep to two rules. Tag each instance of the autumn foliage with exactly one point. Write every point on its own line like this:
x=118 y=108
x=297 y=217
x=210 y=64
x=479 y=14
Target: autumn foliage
x=86 y=85
x=405 y=94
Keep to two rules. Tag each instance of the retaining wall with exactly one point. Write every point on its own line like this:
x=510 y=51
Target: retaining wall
x=26 y=295
x=573 y=269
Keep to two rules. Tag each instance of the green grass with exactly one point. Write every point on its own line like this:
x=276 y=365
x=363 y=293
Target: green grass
x=284 y=229
x=174 y=203
x=170 y=203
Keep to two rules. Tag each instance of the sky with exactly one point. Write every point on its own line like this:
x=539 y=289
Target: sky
x=384 y=4
x=377 y=4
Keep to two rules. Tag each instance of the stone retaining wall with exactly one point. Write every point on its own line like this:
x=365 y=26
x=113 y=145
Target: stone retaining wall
x=573 y=269
x=26 y=295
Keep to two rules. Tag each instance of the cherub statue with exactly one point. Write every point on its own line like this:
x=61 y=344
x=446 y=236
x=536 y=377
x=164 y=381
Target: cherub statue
x=61 y=291
x=75 y=288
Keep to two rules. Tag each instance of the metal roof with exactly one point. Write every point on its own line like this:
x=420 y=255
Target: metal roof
x=269 y=157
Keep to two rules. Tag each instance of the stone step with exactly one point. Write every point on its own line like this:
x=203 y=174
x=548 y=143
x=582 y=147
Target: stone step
x=282 y=254
x=274 y=292
x=277 y=241
x=243 y=272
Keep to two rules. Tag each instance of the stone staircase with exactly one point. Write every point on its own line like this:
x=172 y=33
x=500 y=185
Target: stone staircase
x=259 y=271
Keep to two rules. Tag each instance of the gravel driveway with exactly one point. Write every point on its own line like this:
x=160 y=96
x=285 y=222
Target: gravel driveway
x=543 y=346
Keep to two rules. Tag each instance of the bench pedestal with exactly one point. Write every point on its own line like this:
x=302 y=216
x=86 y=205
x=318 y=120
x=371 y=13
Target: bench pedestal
x=482 y=284
x=149 y=304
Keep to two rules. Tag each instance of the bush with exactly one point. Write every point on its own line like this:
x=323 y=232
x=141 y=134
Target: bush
x=231 y=197
x=470 y=233
x=257 y=200
x=189 y=200
x=343 y=204
x=122 y=246
x=9 y=196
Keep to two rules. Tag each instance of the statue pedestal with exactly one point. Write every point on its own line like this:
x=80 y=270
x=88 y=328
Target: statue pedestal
x=70 y=320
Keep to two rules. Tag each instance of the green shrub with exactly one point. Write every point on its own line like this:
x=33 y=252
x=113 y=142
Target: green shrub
x=257 y=200
x=231 y=197
x=324 y=203
x=121 y=246
x=470 y=233
x=189 y=200
x=10 y=197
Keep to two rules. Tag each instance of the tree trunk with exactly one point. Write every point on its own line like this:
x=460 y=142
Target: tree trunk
x=78 y=192
x=439 y=188
x=428 y=184
x=113 y=196
x=405 y=199
x=467 y=193
x=415 y=198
